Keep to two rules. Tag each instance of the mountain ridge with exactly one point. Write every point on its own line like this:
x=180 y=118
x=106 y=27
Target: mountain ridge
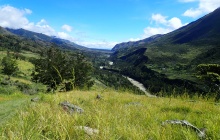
x=188 y=33
x=135 y=43
x=42 y=37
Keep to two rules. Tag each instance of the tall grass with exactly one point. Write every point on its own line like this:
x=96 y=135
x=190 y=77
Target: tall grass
x=116 y=116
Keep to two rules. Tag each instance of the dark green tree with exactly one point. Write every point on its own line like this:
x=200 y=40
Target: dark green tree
x=9 y=65
x=60 y=70
x=210 y=74
x=82 y=71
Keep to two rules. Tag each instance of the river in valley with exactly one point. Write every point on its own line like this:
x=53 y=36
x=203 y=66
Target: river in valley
x=140 y=86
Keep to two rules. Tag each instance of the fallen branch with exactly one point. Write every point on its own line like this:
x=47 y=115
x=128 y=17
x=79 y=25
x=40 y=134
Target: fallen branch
x=200 y=132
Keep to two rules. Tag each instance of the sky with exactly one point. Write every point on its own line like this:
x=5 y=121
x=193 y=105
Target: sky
x=102 y=23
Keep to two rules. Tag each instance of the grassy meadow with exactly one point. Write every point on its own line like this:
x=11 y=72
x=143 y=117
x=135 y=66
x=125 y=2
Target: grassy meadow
x=116 y=115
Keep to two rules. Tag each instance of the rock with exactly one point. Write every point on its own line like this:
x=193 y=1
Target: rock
x=200 y=132
x=89 y=131
x=36 y=99
x=98 y=96
x=71 y=108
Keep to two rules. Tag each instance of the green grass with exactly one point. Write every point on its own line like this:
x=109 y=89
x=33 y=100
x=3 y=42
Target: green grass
x=2 y=54
x=25 y=69
x=30 y=54
x=9 y=105
x=117 y=116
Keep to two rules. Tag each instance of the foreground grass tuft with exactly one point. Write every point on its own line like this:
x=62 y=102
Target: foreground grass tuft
x=115 y=115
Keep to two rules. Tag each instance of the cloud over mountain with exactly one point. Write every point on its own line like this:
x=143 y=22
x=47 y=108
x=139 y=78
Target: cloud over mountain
x=162 y=25
x=67 y=28
x=204 y=7
x=15 y=18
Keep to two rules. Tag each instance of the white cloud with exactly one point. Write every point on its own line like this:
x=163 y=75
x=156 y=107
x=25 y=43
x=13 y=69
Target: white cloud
x=193 y=13
x=174 y=23
x=13 y=17
x=42 y=22
x=158 y=18
x=67 y=28
x=163 y=25
x=150 y=31
x=188 y=1
x=66 y=36
x=28 y=11
x=99 y=44
x=134 y=39
x=204 y=7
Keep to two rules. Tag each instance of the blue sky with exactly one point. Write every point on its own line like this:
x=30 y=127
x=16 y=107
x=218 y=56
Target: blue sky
x=102 y=23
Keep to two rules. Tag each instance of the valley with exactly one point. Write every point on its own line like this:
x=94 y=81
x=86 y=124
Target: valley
x=52 y=88
x=170 y=61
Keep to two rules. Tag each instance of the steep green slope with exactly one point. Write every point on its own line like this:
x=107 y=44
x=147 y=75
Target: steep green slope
x=4 y=31
x=206 y=30
x=170 y=60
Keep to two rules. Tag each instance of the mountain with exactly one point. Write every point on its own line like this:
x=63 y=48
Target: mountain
x=4 y=31
x=204 y=30
x=169 y=61
x=131 y=44
x=42 y=37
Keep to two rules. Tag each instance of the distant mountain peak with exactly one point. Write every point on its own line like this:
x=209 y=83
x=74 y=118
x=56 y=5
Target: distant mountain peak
x=131 y=44
x=42 y=37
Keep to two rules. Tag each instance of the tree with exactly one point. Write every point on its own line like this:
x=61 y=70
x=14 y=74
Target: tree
x=58 y=69
x=82 y=72
x=9 y=65
x=210 y=74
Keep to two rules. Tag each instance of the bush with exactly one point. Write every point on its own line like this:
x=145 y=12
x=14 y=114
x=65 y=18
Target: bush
x=9 y=65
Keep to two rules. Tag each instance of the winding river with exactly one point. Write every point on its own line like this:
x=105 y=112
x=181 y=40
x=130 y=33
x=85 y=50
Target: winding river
x=140 y=86
x=134 y=82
